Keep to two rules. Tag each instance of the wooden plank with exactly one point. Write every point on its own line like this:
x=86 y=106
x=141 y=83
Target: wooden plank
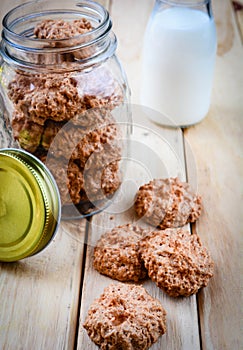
x=39 y=296
x=217 y=149
x=182 y=318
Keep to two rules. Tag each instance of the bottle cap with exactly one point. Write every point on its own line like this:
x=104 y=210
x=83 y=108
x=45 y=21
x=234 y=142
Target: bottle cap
x=30 y=208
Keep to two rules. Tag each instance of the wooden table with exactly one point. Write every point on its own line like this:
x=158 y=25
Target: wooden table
x=44 y=299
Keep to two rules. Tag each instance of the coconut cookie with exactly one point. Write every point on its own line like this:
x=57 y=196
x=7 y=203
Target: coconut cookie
x=167 y=203
x=125 y=317
x=117 y=253
x=176 y=261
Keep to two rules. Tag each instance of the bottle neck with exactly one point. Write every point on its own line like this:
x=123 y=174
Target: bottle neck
x=21 y=48
x=202 y=5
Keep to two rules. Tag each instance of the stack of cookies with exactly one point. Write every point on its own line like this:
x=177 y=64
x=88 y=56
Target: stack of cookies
x=74 y=108
x=169 y=254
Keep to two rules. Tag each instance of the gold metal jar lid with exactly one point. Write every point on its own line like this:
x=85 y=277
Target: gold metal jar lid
x=30 y=208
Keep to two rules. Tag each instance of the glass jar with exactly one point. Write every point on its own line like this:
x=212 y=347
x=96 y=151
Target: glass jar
x=178 y=61
x=65 y=97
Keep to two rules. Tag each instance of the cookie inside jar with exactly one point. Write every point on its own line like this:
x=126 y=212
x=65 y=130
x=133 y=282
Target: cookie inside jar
x=64 y=98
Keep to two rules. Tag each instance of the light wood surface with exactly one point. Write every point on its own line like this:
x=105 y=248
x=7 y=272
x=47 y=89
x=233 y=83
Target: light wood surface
x=44 y=299
x=39 y=296
x=217 y=147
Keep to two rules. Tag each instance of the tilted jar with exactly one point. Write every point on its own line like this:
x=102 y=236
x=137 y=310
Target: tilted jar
x=65 y=97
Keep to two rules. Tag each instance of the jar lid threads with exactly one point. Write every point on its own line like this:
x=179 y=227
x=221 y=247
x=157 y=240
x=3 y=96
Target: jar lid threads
x=30 y=208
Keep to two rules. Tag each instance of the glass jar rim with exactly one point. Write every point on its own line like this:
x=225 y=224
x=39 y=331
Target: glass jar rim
x=7 y=22
x=17 y=38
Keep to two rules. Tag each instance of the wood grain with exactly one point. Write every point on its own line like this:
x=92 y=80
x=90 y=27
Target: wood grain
x=216 y=144
x=39 y=296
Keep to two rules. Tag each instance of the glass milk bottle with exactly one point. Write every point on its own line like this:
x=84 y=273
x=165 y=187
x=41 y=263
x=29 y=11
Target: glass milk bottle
x=178 y=61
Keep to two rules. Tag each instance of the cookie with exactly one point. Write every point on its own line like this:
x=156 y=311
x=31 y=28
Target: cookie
x=26 y=132
x=176 y=261
x=167 y=203
x=59 y=29
x=125 y=317
x=69 y=179
x=60 y=33
x=117 y=253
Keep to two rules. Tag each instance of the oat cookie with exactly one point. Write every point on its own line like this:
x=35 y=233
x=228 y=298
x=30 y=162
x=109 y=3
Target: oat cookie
x=176 y=261
x=94 y=156
x=125 y=317
x=167 y=203
x=59 y=29
x=117 y=253
x=60 y=33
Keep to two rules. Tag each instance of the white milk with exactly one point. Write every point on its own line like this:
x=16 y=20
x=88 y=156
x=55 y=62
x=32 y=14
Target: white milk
x=178 y=61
